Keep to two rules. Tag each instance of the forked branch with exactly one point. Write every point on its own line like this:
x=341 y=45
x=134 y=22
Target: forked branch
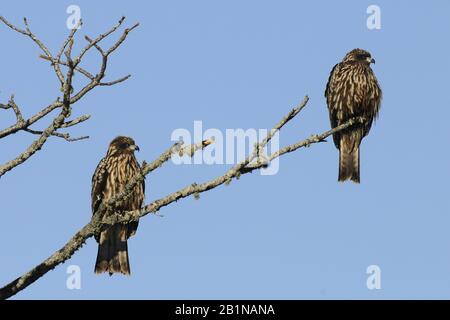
x=65 y=102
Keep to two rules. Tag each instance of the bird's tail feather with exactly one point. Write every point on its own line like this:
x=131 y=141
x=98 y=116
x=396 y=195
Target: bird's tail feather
x=112 y=253
x=349 y=160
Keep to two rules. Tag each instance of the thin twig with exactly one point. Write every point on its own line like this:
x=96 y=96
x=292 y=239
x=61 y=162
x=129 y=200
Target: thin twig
x=86 y=73
x=111 y=83
x=16 y=109
x=65 y=136
x=76 y=121
x=97 y=40
x=12 y=105
x=121 y=39
x=67 y=41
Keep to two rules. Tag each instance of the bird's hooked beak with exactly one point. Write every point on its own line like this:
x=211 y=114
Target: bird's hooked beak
x=370 y=60
x=134 y=147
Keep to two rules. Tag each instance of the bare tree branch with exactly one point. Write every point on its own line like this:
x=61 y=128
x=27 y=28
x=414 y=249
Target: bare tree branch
x=68 y=99
x=50 y=130
x=111 y=83
x=77 y=60
x=305 y=143
x=100 y=221
x=22 y=125
x=96 y=81
x=76 y=121
x=66 y=42
x=27 y=32
x=86 y=73
x=121 y=39
x=12 y=105
x=65 y=136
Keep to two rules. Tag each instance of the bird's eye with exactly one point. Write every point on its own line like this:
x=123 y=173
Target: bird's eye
x=362 y=56
x=125 y=145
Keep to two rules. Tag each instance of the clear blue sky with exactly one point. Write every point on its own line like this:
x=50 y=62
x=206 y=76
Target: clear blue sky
x=240 y=64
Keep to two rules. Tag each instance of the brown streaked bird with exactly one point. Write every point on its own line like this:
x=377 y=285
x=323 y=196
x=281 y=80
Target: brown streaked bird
x=352 y=91
x=110 y=178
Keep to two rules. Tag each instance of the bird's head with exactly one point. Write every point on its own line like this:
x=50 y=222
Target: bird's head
x=122 y=145
x=359 y=55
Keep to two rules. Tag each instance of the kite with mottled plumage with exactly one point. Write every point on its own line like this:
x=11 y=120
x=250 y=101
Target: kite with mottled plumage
x=110 y=178
x=352 y=91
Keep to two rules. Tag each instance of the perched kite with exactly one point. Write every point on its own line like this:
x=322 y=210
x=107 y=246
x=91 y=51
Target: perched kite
x=352 y=91
x=111 y=176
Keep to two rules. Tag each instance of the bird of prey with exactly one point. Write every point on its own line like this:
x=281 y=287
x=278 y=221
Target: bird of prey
x=110 y=178
x=352 y=91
